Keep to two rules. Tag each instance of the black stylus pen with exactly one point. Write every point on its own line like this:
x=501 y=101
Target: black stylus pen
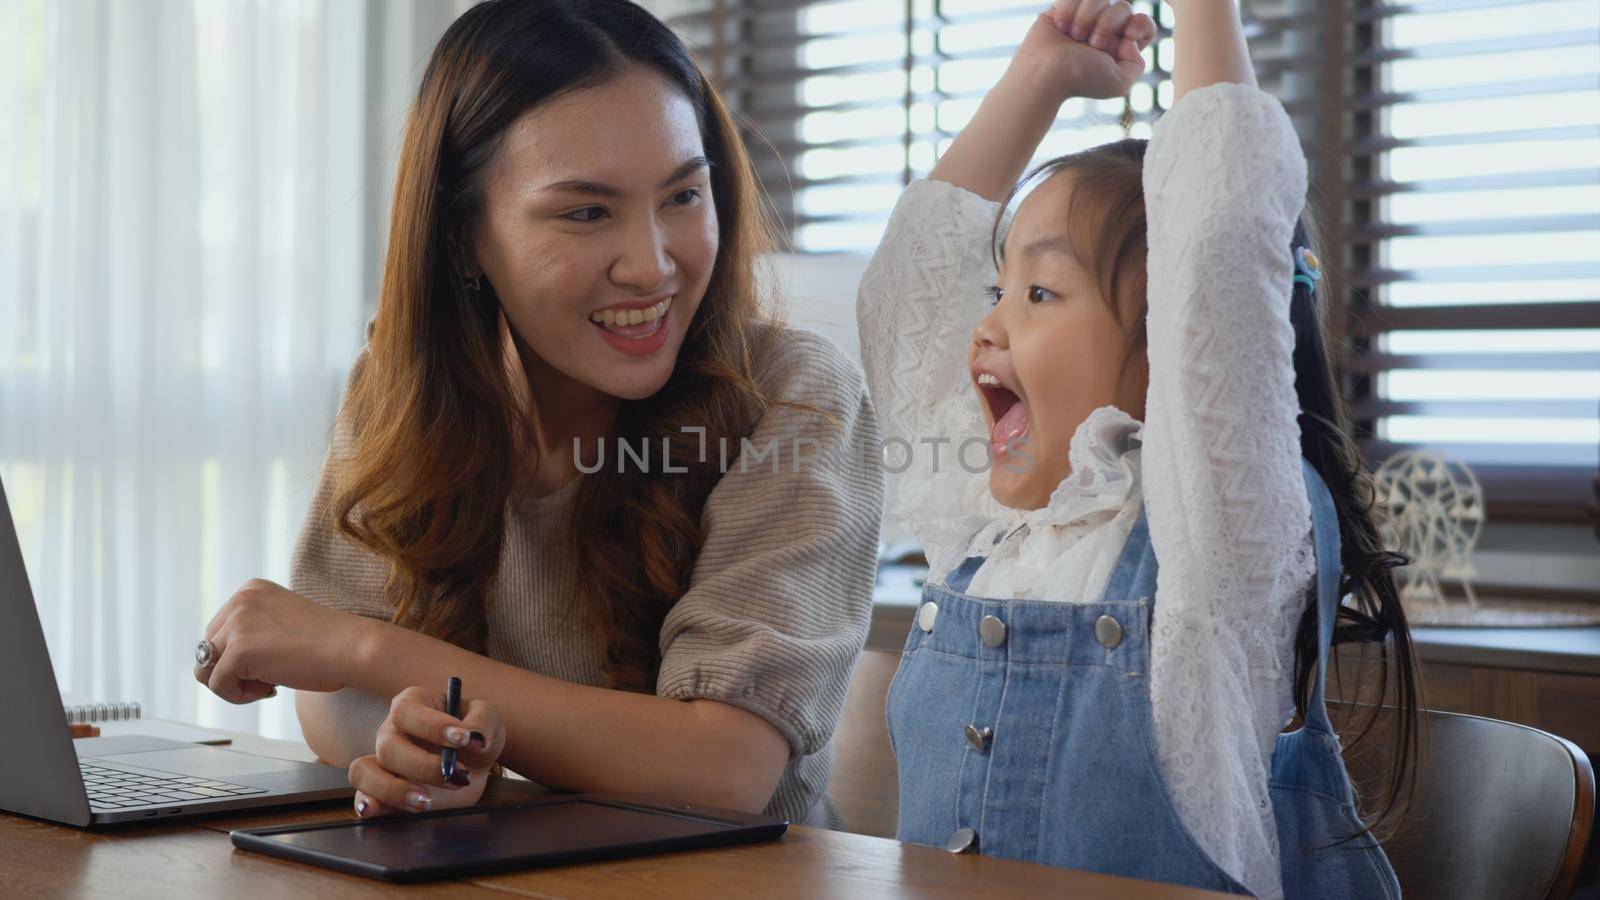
x=452 y=707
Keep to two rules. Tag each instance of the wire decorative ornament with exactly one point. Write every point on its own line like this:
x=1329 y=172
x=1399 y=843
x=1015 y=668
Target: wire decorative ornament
x=1436 y=513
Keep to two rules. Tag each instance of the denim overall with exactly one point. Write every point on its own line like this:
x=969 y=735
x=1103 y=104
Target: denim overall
x=1023 y=729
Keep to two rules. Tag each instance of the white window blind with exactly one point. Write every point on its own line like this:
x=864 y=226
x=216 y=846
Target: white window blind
x=848 y=101
x=1475 y=239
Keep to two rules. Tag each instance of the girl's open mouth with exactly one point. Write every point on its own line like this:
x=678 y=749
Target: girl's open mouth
x=1006 y=409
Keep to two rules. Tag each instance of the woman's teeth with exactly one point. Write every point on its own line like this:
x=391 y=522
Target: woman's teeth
x=624 y=317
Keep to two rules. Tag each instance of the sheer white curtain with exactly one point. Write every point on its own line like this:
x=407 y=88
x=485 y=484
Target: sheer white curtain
x=192 y=195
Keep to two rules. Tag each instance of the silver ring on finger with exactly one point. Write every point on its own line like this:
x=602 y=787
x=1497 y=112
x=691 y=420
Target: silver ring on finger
x=205 y=654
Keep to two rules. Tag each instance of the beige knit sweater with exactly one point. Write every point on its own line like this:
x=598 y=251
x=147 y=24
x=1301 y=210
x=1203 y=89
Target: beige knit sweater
x=780 y=597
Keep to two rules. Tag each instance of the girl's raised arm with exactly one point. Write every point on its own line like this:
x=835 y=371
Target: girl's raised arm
x=1211 y=46
x=1225 y=180
x=1049 y=68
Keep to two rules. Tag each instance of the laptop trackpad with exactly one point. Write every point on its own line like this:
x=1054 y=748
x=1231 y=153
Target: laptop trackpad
x=203 y=762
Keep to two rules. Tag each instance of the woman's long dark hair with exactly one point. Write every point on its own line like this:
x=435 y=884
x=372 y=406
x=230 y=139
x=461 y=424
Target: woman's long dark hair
x=1107 y=215
x=438 y=419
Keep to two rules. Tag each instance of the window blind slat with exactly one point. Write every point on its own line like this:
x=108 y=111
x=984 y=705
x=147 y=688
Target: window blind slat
x=1508 y=181
x=1514 y=272
x=1583 y=314
x=1480 y=409
x=1377 y=144
x=1508 y=362
x=1578 y=37
x=1509 y=225
x=1369 y=13
x=772 y=111
x=1525 y=88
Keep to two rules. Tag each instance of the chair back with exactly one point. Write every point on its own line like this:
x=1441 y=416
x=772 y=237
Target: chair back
x=864 y=784
x=1500 y=809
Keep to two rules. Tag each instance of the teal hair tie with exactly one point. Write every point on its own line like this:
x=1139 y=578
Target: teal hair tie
x=1308 y=269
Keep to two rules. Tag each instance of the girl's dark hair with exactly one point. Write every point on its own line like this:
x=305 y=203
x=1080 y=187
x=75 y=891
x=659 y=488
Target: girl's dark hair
x=1106 y=218
x=1374 y=614
x=437 y=414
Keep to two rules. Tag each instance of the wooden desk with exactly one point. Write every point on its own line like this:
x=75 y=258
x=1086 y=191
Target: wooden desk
x=1574 y=651
x=1547 y=678
x=196 y=859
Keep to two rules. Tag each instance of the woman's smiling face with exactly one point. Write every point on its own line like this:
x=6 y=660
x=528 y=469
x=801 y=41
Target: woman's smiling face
x=599 y=233
x=1048 y=353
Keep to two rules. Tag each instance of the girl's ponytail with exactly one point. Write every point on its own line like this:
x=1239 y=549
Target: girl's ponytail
x=1373 y=614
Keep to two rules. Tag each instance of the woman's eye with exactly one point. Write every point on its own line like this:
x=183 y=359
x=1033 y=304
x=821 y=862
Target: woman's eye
x=686 y=196
x=587 y=214
x=1038 y=294
x=994 y=292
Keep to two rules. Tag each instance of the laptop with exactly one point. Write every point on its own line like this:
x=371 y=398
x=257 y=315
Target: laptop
x=106 y=780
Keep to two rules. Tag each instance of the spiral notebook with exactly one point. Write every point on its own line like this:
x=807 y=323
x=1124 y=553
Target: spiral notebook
x=125 y=718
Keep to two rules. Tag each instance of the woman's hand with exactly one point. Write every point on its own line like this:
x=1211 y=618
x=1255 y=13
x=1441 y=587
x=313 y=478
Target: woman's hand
x=1087 y=48
x=267 y=635
x=404 y=774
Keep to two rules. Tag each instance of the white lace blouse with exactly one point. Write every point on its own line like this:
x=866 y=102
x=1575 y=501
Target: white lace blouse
x=1216 y=464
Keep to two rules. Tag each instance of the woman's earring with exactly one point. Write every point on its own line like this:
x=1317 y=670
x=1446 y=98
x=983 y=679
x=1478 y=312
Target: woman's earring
x=474 y=283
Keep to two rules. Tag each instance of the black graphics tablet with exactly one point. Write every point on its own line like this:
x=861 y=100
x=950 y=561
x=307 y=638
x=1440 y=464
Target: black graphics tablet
x=550 y=831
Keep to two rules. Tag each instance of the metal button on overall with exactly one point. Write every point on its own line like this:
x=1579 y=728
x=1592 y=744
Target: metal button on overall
x=980 y=737
x=1108 y=631
x=965 y=840
x=992 y=630
x=926 y=614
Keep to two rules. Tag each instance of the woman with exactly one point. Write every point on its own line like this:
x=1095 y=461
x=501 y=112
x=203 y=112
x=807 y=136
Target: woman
x=568 y=467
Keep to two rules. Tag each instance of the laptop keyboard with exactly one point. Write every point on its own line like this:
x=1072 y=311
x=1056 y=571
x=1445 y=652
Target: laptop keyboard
x=111 y=789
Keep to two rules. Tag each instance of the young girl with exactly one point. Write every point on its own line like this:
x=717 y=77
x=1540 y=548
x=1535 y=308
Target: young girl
x=1151 y=375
